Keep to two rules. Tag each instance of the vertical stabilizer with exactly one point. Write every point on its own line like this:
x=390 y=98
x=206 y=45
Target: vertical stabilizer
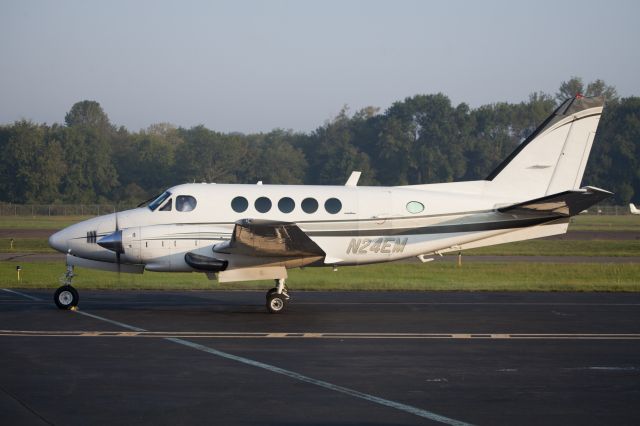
x=554 y=157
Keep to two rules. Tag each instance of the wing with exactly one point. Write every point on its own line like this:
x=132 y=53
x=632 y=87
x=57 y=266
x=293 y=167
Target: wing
x=563 y=204
x=264 y=238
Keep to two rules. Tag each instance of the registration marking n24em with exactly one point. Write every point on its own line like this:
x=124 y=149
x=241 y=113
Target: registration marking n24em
x=378 y=245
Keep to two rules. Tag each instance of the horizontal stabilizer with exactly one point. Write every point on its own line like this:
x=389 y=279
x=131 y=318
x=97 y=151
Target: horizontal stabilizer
x=265 y=238
x=563 y=204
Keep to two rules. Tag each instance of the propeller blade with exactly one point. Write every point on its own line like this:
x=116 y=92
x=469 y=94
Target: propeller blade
x=121 y=247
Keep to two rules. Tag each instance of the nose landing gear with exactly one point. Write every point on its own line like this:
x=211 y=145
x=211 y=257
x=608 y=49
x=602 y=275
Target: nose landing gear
x=66 y=297
x=278 y=297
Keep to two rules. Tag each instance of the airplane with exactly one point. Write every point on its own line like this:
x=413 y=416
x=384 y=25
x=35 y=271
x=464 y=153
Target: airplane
x=633 y=209
x=239 y=232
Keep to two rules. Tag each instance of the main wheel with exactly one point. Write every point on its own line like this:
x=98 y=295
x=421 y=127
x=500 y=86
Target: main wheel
x=66 y=297
x=276 y=302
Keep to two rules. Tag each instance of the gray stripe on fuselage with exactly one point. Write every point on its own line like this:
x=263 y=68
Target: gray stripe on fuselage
x=312 y=222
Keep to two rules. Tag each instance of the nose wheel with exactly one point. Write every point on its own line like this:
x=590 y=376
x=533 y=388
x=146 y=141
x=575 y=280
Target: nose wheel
x=277 y=297
x=66 y=297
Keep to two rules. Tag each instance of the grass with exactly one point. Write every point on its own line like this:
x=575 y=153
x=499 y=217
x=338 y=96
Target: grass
x=605 y=223
x=25 y=245
x=561 y=248
x=39 y=222
x=405 y=277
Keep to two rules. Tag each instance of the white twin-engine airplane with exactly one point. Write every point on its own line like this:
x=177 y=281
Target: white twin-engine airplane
x=256 y=232
x=633 y=209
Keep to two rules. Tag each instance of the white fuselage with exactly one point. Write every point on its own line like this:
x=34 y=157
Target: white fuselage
x=373 y=224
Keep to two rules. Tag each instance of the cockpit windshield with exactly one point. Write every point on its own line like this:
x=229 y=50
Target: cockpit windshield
x=155 y=203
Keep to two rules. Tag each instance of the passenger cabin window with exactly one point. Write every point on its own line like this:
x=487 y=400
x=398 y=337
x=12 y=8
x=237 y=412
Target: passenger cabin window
x=167 y=207
x=415 y=207
x=309 y=205
x=158 y=201
x=332 y=205
x=286 y=205
x=185 y=203
x=263 y=204
x=239 y=204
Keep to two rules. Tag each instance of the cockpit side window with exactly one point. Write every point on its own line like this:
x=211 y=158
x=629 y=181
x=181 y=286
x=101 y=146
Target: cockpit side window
x=185 y=203
x=158 y=201
x=167 y=206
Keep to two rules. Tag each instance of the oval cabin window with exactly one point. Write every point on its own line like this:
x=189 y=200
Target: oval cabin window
x=239 y=204
x=286 y=205
x=414 y=207
x=309 y=205
x=263 y=204
x=333 y=205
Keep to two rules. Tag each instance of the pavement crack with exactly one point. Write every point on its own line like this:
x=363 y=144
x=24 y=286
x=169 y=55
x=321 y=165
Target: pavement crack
x=26 y=406
x=10 y=258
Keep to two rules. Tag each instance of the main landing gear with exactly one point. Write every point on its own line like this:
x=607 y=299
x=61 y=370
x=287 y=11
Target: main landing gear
x=278 y=297
x=66 y=297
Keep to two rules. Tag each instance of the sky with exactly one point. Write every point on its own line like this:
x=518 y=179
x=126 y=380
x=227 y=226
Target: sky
x=252 y=66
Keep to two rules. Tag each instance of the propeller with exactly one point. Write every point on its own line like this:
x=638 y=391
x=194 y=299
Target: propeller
x=113 y=242
x=121 y=247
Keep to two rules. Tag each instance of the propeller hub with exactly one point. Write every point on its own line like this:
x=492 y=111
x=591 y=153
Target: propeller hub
x=112 y=242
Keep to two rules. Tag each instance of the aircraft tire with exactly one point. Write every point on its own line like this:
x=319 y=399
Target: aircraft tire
x=271 y=291
x=66 y=297
x=276 y=303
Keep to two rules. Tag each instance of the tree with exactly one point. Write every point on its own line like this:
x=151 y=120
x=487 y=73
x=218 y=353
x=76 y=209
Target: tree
x=600 y=88
x=420 y=139
x=276 y=160
x=575 y=86
x=332 y=155
x=568 y=89
x=87 y=114
x=31 y=165
x=208 y=156
x=614 y=163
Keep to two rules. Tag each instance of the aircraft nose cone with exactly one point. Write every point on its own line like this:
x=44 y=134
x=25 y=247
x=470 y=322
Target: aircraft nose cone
x=58 y=241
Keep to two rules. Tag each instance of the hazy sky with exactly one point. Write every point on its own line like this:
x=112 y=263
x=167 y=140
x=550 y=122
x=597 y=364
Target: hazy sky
x=257 y=65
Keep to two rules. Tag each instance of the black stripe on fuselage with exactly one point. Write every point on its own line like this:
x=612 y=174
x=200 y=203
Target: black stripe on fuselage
x=438 y=229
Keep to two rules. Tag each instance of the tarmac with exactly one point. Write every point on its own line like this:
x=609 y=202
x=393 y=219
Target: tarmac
x=333 y=358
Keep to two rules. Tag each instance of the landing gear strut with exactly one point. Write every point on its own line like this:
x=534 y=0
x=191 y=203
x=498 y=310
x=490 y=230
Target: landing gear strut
x=66 y=297
x=278 y=297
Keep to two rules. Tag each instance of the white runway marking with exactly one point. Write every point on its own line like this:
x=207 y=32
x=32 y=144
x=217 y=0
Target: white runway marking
x=471 y=303
x=367 y=397
x=119 y=324
x=139 y=332
x=37 y=299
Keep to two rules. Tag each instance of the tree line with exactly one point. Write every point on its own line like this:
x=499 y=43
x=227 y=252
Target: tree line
x=421 y=139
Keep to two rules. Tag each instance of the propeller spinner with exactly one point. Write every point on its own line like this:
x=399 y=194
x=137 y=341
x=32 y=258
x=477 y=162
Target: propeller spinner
x=112 y=242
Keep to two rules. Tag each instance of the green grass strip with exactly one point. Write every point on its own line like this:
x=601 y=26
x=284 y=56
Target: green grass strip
x=381 y=277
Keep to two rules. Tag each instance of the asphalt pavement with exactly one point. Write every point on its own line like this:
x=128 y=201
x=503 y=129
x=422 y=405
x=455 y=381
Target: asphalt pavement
x=334 y=358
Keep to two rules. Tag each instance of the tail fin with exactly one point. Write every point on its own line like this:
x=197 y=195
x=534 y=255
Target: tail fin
x=554 y=157
x=633 y=209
